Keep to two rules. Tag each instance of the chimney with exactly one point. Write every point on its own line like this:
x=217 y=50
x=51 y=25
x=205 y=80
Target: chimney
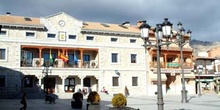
x=8 y=13
x=139 y=23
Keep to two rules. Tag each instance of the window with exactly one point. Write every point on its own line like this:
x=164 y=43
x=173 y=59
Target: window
x=154 y=59
x=51 y=35
x=105 y=25
x=114 y=57
x=2 y=81
x=86 y=60
x=26 y=58
x=134 y=81
x=89 y=38
x=27 y=19
x=2 y=54
x=132 y=40
x=46 y=57
x=133 y=58
x=115 y=81
x=3 y=32
x=30 y=34
x=72 y=36
x=114 y=39
x=70 y=85
x=86 y=57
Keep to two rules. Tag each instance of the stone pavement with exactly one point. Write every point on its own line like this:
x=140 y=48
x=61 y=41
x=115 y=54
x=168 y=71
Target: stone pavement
x=205 y=102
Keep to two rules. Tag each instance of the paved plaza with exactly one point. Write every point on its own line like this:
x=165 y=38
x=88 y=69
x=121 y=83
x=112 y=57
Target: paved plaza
x=205 y=102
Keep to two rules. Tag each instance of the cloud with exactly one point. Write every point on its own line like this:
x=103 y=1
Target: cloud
x=200 y=16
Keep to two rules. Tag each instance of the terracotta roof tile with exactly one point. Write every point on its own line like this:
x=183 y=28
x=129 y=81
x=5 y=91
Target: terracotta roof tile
x=19 y=20
x=110 y=27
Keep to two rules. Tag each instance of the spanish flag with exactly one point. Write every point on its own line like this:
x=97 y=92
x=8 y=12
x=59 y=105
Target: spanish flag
x=63 y=57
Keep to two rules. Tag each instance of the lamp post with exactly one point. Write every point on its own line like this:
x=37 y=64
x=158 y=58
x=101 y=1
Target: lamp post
x=0 y=28
x=200 y=69
x=46 y=69
x=181 y=41
x=161 y=31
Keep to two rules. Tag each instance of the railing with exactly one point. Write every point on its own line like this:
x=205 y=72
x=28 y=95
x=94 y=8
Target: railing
x=59 y=63
x=154 y=64
x=171 y=65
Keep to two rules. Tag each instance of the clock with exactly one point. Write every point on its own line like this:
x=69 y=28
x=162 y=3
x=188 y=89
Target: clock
x=61 y=23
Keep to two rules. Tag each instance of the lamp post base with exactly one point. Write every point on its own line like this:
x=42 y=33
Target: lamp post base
x=184 y=96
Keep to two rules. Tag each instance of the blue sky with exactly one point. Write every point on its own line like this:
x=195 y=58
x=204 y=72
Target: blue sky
x=200 y=16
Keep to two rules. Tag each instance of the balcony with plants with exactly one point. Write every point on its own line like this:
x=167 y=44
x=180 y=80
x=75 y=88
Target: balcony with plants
x=171 y=61
x=59 y=57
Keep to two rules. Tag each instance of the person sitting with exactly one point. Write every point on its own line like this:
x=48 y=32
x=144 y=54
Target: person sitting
x=103 y=90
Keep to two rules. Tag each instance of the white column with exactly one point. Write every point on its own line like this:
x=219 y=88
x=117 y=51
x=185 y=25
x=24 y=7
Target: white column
x=97 y=85
x=63 y=82
x=39 y=77
x=81 y=80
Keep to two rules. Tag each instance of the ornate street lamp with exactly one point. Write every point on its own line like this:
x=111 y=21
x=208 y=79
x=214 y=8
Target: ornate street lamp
x=200 y=69
x=46 y=69
x=161 y=31
x=181 y=41
x=0 y=28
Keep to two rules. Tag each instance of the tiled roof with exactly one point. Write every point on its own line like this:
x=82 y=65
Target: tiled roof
x=19 y=20
x=109 y=27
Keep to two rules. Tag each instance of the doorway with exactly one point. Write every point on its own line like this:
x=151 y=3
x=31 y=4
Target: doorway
x=49 y=85
x=87 y=82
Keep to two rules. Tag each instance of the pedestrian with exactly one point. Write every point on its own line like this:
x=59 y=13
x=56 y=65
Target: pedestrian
x=126 y=91
x=23 y=102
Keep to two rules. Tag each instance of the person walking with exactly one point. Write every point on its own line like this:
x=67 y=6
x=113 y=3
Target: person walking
x=126 y=91
x=23 y=102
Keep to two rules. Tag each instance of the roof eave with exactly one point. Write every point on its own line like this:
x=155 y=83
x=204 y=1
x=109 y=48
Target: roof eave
x=110 y=32
x=22 y=25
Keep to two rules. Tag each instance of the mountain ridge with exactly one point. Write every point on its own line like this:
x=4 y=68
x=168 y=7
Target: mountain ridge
x=202 y=46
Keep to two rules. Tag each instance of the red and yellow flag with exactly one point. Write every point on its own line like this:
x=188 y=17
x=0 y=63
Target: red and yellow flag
x=63 y=57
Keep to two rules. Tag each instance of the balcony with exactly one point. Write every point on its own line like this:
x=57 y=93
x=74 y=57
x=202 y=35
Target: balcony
x=59 y=58
x=170 y=65
x=154 y=64
x=59 y=63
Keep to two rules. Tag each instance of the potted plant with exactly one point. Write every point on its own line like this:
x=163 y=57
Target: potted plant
x=93 y=64
x=93 y=101
x=119 y=102
x=56 y=63
x=78 y=98
x=37 y=63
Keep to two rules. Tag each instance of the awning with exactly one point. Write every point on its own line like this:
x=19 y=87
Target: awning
x=192 y=76
x=153 y=77
x=204 y=80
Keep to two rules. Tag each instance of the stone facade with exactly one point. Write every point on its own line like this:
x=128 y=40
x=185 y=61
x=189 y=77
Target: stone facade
x=100 y=49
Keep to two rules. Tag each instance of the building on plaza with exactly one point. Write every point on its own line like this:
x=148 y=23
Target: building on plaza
x=206 y=77
x=84 y=55
x=214 y=53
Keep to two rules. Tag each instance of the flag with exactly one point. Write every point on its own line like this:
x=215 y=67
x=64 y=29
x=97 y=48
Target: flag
x=75 y=58
x=51 y=58
x=63 y=57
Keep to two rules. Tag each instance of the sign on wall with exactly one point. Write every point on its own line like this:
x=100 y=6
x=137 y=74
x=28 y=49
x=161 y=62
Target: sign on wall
x=62 y=36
